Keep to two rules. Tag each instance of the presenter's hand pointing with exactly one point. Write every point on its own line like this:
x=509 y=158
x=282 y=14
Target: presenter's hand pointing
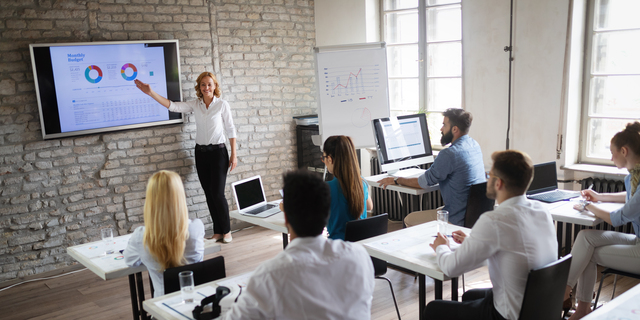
x=144 y=87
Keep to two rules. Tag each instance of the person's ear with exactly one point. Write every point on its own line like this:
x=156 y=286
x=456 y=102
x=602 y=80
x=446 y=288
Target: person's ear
x=624 y=151
x=499 y=183
x=455 y=130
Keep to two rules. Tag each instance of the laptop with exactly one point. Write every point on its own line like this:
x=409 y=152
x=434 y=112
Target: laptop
x=544 y=186
x=249 y=196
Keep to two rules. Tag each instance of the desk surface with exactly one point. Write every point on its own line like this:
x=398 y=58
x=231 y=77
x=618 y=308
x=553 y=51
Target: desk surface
x=563 y=211
x=373 y=181
x=112 y=266
x=170 y=306
x=625 y=306
x=409 y=248
x=274 y=222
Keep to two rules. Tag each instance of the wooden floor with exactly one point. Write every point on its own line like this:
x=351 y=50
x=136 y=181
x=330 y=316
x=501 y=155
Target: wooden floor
x=83 y=295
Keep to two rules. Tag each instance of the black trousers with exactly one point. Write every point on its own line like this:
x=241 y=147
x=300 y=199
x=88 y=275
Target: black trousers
x=477 y=304
x=212 y=163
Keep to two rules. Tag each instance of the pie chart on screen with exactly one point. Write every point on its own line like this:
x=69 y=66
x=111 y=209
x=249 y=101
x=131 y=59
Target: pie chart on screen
x=97 y=73
x=124 y=71
x=361 y=117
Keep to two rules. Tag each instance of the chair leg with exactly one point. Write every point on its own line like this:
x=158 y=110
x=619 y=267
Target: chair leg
x=595 y=305
x=463 y=287
x=392 y=294
x=615 y=281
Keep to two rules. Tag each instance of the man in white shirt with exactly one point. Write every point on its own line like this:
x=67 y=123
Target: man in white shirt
x=314 y=277
x=515 y=238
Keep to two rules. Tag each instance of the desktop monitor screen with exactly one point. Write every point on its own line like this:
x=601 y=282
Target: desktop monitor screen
x=402 y=142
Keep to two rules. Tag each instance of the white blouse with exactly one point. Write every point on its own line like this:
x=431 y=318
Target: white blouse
x=136 y=254
x=212 y=123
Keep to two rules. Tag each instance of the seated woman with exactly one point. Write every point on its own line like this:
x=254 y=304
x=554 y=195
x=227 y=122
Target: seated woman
x=611 y=249
x=168 y=238
x=349 y=192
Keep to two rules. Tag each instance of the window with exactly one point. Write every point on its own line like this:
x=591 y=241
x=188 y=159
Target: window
x=612 y=75
x=424 y=57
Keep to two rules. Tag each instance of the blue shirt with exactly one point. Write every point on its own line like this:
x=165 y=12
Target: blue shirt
x=456 y=168
x=630 y=212
x=339 y=215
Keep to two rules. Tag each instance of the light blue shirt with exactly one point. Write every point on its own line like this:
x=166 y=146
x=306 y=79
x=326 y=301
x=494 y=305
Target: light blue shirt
x=456 y=168
x=630 y=212
x=339 y=215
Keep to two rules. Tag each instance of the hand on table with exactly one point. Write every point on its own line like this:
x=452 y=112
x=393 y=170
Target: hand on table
x=458 y=236
x=440 y=240
x=386 y=182
x=281 y=206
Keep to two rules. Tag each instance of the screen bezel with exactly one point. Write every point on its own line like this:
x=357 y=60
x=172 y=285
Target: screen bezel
x=387 y=164
x=45 y=87
x=548 y=167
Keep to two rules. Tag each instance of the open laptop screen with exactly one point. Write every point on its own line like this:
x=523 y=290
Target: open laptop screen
x=249 y=193
x=545 y=178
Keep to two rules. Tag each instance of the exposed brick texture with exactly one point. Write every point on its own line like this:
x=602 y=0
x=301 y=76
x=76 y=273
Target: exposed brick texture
x=59 y=193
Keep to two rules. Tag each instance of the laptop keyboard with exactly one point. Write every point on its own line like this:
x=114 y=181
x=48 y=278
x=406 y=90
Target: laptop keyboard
x=261 y=209
x=554 y=196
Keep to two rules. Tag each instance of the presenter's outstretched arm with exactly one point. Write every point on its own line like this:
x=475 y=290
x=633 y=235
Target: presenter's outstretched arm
x=146 y=88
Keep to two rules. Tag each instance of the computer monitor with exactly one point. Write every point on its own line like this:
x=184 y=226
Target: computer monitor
x=402 y=142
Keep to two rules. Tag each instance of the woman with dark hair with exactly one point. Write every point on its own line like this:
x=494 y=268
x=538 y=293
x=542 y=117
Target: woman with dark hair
x=213 y=120
x=610 y=249
x=349 y=192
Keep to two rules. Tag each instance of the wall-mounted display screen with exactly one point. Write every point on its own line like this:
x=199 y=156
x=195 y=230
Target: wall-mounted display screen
x=85 y=88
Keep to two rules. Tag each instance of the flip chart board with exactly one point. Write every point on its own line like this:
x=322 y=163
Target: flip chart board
x=352 y=90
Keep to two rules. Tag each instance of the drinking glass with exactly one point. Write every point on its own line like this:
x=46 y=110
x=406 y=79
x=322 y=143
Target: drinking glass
x=107 y=239
x=443 y=221
x=186 y=286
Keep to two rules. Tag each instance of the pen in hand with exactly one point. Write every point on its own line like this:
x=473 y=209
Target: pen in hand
x=448 y=235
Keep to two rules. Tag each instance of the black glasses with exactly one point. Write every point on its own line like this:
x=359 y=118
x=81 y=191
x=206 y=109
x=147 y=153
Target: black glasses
x=322 y=157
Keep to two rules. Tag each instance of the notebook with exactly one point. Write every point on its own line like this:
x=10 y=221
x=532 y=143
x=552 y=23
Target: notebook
x=544 y=186
x=249 y=196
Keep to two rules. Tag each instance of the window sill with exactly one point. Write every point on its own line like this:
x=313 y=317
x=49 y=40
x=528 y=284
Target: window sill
x=592 y=168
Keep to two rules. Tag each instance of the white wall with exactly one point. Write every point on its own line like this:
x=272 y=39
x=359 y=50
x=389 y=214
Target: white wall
x=340 y=22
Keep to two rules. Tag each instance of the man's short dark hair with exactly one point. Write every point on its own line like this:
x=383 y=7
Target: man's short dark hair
x=459 y=118
x=307 y=200
x=515 y=168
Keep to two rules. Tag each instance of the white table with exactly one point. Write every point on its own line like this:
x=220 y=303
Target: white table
x=170 y=306
x=409 y=248
x=625 y=306
x=112 y=266
x=274 y=222
x=565 y=215
x=408 y=191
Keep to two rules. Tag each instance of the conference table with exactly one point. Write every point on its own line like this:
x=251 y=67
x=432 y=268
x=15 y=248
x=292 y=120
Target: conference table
x=112 y=266
x=274 y=222
x=403 y=192
x=624 y=307
x=409 y=248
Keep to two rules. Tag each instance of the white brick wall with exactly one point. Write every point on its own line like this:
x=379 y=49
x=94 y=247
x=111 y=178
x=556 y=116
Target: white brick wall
x=58 y=193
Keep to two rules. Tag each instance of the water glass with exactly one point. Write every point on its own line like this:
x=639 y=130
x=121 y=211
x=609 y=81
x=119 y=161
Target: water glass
x=443 y=221
x=186 y=286
x=107 y=239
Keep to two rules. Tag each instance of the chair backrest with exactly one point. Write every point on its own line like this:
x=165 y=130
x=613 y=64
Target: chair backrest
x=203 y=272
x=357 y=230
x=477 y=204
x=544 y=293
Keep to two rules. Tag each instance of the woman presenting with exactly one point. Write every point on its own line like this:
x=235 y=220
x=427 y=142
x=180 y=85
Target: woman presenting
x=213 y=120
x=611 y=249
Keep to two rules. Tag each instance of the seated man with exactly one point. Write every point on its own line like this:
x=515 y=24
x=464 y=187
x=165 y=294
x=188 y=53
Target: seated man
x=455 y=168
x=516 y=237
x=313 y=277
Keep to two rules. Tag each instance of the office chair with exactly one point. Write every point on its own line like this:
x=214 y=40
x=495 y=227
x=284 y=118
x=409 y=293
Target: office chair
x=203 y=272
x=615 y=272
x=477 y=204
x=544 y=293
x=357 y=230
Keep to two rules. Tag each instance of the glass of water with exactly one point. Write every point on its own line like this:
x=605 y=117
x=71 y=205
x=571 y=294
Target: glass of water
x=186 y=286
x=443 y=221
x=107 y=240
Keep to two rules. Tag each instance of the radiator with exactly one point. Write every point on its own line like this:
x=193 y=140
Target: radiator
x=607 y=186
x=396 y=204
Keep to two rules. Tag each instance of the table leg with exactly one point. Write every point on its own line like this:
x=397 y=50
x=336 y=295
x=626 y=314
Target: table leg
x=437 y=290
x=140 y=289
x=134 y=301
x=559 y=237
x=567 y=237
x=422 y=295
x=285 y=240
x=454 y=289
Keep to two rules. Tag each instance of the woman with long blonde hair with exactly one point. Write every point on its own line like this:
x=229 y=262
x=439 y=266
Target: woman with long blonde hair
x=168 y=238
x=349 y=192
x=213 y=122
